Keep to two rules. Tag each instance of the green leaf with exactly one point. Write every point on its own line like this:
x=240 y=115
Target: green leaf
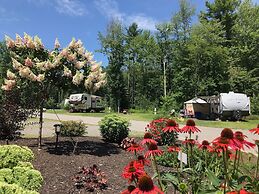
x=211 y=176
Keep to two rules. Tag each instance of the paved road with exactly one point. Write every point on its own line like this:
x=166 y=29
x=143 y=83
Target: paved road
x=208 y=133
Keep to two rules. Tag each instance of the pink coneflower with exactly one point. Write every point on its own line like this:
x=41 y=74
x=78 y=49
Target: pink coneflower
x=174 y=149
x=171 y=126
x=205 y=145
x=153 y=150
x=143 y=161
x=128 y=190
x=134 y=148
x=146 y=186
x=133 y=171
x=255 y=130
x=226 y=140
x=189 y=142
x=240 y=137
x=148 y=139
x=190 y=127
x=242 y=191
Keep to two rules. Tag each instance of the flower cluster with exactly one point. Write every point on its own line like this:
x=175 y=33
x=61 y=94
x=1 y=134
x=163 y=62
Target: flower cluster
x=73 y=62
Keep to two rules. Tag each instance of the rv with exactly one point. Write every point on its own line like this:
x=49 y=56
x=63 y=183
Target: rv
x=225 y=106
x=85 y=103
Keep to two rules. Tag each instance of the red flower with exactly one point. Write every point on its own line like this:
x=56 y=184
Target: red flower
x=240 y=137
x=205 y=145
x=255 y=130
x=146 y=186
x=133 y=171
x=143 y=161
x=226 y=140
x=128 y=190
x=134 y=148
x=174 y=149
x=171 y=126
x=190 y=127
x=153 y=150
x=189 y=141
x=148 y=139
x=242 y=191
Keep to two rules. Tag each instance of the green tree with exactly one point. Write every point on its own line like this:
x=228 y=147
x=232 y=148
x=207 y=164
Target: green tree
x=225 y=12
x=113 y=46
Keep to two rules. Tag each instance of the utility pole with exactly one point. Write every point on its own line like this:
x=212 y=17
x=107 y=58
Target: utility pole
x=164 y=67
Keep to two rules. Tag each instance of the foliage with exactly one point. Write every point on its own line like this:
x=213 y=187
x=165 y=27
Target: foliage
x=12 y=116
x=73 y=128
x=168 y=159
x=27 y=178
x=91 y=179
x=11 y=155
x=112 y=46
x=114 y=128
x=15 y=168
x=6 y=188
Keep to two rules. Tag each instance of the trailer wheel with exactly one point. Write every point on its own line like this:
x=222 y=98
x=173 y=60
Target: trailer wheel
x=237 y=115
x=92 y=111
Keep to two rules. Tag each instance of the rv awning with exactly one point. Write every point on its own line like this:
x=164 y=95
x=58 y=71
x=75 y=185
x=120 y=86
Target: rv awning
x=195 y=101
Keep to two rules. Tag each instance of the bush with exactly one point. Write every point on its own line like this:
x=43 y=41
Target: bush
x=11 y=155
x=6 y=175
x=27 y=178
x=6 y=188
x=114 y=128
x=73 y=128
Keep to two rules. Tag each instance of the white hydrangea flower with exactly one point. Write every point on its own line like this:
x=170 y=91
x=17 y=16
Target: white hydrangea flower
x=9 y=42
x=57 y=45
x=40 y=77
x=10 y=75
x=16 y=65
x=77 y=78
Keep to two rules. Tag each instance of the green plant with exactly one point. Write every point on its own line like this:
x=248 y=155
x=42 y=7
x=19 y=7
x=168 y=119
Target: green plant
x=27 y=178
x=11 y=155
x=73 y=128
x=6 y=188
x=168 y=159
x=6 y=175
x=114 y=128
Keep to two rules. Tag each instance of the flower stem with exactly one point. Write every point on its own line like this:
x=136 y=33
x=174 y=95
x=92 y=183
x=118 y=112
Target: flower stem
x=225 y=169
x=235 y=162
x=257 y=164
x=157 y=171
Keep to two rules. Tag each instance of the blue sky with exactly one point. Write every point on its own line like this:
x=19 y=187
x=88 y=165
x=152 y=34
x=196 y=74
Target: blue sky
x=82 y=19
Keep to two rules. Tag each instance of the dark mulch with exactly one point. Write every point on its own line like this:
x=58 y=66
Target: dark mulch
x=58 y=167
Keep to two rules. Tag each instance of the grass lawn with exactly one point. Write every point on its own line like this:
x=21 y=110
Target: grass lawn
x=148 y=116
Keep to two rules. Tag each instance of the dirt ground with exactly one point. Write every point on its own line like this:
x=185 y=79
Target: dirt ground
x=59 y=166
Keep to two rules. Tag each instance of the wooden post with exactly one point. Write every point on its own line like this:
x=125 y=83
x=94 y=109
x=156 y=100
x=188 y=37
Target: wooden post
x=41 y=125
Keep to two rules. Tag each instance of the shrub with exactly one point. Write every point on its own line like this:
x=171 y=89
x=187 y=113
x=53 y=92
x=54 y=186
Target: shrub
x=114 y=128
x=11 y=155
x=6 y=175
x=27 y=178
x=73 y=128
x=25 y=164
x=6 y=188
x=91 y=178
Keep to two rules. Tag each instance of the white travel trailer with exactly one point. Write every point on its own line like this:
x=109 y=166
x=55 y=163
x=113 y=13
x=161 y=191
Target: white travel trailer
x=85 y=102
x=233 y=105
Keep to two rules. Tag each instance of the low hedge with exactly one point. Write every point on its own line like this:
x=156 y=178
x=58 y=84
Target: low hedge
x=11 y=155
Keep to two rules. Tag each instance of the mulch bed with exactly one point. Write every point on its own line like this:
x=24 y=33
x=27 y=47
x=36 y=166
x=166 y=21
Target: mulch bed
x=59 y=166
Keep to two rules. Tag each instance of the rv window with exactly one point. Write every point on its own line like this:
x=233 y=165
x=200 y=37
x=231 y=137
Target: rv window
x=85 y=98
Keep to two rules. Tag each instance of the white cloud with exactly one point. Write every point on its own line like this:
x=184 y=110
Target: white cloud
x=70 y=7
x=110 y=9
x=143 y=22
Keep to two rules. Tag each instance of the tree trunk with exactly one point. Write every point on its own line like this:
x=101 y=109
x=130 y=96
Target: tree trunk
x=41 y=125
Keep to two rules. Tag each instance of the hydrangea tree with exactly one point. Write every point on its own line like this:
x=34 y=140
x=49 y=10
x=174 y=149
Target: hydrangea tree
x=39 y=70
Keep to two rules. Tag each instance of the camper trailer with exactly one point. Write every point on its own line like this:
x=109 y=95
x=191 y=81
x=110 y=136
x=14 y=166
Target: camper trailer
x=85 y=103
x=233 y=106
x=225 y=106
